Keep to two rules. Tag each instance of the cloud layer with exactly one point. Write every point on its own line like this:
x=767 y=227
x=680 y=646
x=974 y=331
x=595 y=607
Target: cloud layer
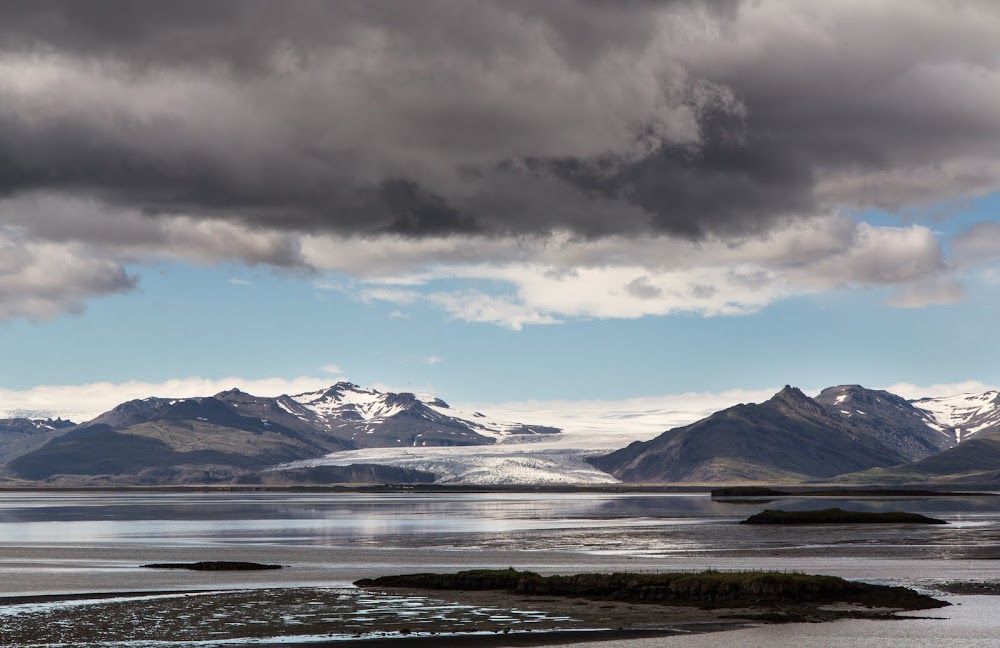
x=674 y=155
x=641 y=417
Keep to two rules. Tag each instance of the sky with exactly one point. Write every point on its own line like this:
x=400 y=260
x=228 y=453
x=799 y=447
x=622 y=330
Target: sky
x=497 y=201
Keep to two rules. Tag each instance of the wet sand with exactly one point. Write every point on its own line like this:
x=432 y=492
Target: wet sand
x=326 y=617
x=501 y=640
x=313 y=617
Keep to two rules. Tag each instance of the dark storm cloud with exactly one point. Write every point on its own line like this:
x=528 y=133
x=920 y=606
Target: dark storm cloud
x=500 y=118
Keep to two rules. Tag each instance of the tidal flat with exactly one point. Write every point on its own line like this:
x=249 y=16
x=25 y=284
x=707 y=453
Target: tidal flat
x=78 y=545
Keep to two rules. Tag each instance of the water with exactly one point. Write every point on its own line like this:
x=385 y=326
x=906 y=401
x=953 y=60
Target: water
x=97 y=542
x=972 y=622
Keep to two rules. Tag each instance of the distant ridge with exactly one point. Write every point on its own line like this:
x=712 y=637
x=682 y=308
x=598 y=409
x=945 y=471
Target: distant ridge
x=790 y=437
x=231 y=435
x=846 y=433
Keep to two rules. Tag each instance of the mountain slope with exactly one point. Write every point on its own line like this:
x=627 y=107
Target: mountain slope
x=789 y=437
x=973 y=462
x=219 y=438
x=156 y=440
x=19 y=436
x=964 y=415
x=890 y=419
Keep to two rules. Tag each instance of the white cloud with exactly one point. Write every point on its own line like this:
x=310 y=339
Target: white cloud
x=641 y=417
x=43 y=279
x=548 y=280
x=979 y=244
x=84 y=402
x=612 y=420
x=431 y=360
x=614 y=423
x=473 y=306
x=240 y=282
x=911 y=391
x=332 y=369
x=938 y=292
x=538 y=280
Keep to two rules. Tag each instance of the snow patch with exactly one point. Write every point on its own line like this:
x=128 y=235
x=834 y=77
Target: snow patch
x=963 y=414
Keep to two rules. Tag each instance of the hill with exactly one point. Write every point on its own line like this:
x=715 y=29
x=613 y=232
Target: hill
x=973 y=463
x=790 y=437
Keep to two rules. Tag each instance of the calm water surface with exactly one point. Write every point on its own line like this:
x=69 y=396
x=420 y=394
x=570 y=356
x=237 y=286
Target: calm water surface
x=96 y=542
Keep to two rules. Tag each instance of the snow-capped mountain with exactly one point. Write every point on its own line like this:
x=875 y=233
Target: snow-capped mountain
x=963 y=415
x=367 y=418
x=887 y=417
x=233 y=435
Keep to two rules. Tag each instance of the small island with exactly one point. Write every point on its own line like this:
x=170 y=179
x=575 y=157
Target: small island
x=767 y=596
x=213 y=565
x=838 y=516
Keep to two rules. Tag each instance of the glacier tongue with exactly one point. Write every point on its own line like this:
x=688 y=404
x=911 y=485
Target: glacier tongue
x=507 y=463
x=587 y=430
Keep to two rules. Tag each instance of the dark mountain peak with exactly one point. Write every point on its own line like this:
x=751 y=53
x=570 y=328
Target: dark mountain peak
x=337 y=390
x=402 y=399
x=17 y=424
x=843 y=395
x=437 y=402
x=130 y=412
x=791 y=396
x=234 y=394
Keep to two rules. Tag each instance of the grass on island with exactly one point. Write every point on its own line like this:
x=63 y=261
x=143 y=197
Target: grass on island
x=214 y=565
x=708 y=589
x=838 y=516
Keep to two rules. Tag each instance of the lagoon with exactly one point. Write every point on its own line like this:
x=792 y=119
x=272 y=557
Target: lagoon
x=86 y=542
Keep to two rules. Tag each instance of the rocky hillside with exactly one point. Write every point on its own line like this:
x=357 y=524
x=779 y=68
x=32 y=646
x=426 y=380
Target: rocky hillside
x=788 y=437
x=232 y=434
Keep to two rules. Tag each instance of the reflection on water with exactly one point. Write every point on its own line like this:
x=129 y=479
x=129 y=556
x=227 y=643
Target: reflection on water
x=95 y=541
x=321 y=518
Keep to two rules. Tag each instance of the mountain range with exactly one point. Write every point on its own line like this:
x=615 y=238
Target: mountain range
x=347 y=433
x=232 y=435
x=789 y=437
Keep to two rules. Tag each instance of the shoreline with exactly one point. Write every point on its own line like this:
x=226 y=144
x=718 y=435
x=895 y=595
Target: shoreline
x=569 y=619
x=517 y=638
x=786 y=490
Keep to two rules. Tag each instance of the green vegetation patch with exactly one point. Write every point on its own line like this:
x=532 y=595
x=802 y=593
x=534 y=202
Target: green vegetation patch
x=214 y=565
x=708 y=589
x=838 y=516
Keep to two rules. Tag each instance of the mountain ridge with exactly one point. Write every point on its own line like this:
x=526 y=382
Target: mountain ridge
x=233 y=435
x=224 y=436
x=787 y=437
